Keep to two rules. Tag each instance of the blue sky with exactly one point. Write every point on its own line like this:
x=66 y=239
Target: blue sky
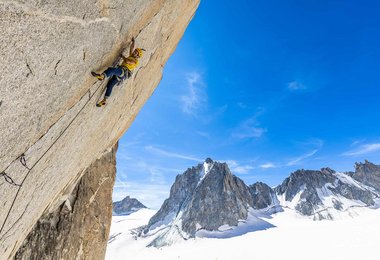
x=266 y=86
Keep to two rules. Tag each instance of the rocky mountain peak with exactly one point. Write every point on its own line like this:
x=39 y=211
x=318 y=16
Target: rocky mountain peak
x=209 y=161
x=263 y=196
x=366 y=167
x=208 y=197
x=205 y=202
x=126 y=206
x=367 y=173
x=319 y=193
x=327 y=170
x=304 y=179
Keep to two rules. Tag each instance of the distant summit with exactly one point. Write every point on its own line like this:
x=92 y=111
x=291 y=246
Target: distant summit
x=323 y=194
x=204 y=198
x=127 y=206
x=208 y=199
x=367 y=173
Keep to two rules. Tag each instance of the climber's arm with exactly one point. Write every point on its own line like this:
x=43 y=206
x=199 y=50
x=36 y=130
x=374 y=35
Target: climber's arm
x=132 y=46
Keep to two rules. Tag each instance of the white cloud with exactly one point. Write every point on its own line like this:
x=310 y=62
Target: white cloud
x=267 y=165
x=295 y=85
x=242 y=105
x=203 y=134
x=248 y=129
x=237 y=168
x=247 y=132
x=171 y=154
x=297 y=160
x=313 y=142
x=364 y=149
x=196 y=96
x=356 y=142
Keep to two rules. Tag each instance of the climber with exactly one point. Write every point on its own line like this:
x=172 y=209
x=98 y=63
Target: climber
x=119 y=73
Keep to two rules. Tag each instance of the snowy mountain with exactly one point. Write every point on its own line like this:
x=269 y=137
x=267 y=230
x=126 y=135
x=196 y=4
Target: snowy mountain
x=206 y=198
x=126 y=206
x=368 y=174
x=290 y=238
x=209 y=201
x=323 y=194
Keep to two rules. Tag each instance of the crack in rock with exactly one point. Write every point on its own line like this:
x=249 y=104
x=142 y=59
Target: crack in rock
x=56 y=65
x=30 y=70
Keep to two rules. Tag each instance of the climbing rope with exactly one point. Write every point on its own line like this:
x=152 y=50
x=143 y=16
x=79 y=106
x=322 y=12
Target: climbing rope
x=23 y=160
x=22 y=157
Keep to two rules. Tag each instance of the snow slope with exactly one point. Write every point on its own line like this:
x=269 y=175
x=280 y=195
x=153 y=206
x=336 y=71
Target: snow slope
x=291 y=237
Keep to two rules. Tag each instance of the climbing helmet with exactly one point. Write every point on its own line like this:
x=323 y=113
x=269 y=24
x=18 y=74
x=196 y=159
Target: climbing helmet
x=139 y=51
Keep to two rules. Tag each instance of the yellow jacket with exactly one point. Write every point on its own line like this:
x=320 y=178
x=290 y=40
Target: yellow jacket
x=130 y=63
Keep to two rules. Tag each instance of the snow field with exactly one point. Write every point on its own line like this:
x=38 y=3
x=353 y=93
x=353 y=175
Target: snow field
x=292 y=237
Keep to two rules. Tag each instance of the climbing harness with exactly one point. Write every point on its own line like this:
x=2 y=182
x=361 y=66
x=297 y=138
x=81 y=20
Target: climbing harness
x=125 y=75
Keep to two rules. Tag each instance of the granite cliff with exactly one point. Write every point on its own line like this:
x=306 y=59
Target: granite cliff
x=51 y=131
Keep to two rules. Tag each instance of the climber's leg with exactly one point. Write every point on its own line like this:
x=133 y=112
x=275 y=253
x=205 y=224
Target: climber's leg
x=112 y=71
x=111 y=83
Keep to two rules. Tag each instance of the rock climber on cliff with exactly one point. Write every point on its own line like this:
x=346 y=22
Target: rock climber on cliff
x=121 y=72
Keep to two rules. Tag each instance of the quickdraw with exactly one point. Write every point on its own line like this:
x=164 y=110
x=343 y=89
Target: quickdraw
x=23 y=161
x=9 y=179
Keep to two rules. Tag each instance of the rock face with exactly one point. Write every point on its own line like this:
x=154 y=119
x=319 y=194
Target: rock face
x=319 y=193
x=126 y=206
x=263 y=196
x=204 y=197
x=48 y=96
x=79 y=228
x=368 y=174
x=208 y=198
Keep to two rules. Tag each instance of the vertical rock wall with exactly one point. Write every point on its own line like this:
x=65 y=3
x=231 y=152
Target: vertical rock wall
x=79 y=228
x=48 y=97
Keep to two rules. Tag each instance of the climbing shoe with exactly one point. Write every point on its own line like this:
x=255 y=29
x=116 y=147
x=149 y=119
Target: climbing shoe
x=98 y=76
x=101 y=103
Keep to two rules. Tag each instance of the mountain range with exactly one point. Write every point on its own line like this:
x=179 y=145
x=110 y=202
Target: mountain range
x=208 y=200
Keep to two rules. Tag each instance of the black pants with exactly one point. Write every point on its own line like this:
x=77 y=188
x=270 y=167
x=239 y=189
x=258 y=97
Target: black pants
x=117 y=75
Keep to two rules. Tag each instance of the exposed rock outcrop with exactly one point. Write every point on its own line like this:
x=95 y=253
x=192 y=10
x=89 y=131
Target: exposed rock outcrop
x=208 y=200
x=263 y=196
x=319 y=193
x=368 y=174
x=204 y=197
x=80 y=227
x=48 y=113
x=127 y=206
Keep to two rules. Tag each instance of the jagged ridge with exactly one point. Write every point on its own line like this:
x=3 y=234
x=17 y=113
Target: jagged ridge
x=126 y=206
x=208 y=196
